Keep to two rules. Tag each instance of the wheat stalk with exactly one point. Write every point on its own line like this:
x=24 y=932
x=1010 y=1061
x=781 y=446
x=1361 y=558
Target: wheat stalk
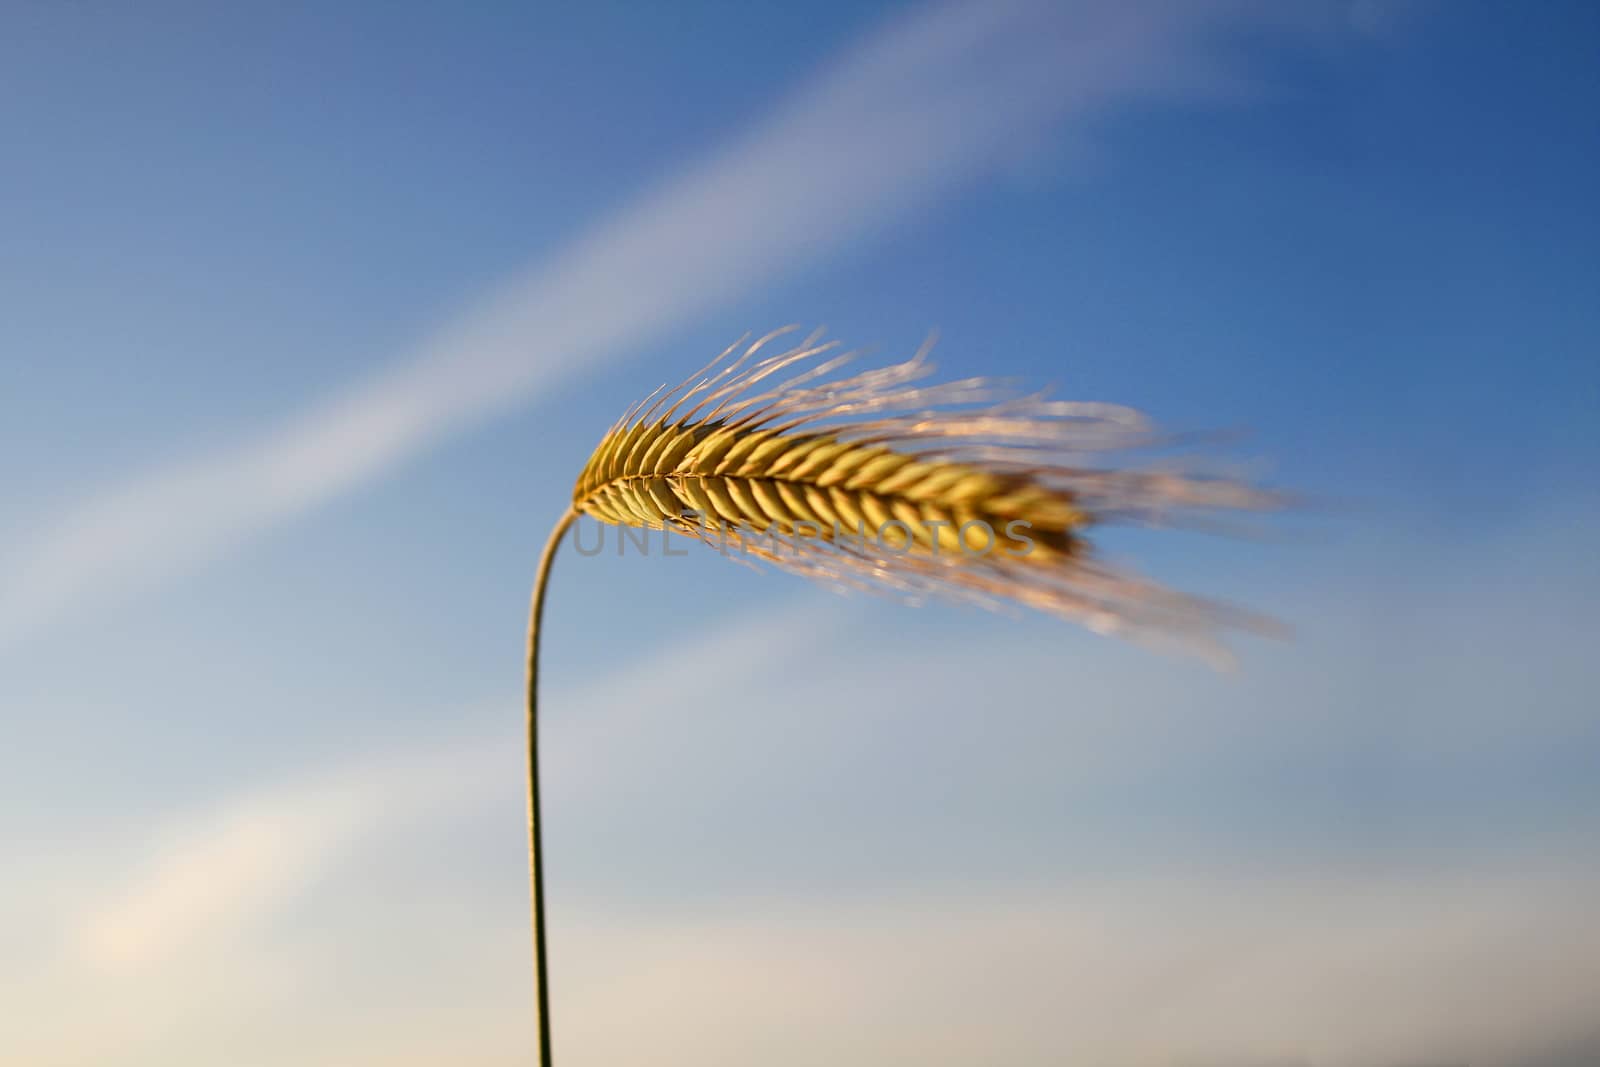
x=779 y=458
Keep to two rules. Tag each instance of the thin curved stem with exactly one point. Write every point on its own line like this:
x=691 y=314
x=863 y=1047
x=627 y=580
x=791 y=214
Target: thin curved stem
x=535 y=852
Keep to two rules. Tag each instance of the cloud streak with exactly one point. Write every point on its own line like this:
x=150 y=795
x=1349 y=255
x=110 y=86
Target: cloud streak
x=924 y=106
x=213 y=876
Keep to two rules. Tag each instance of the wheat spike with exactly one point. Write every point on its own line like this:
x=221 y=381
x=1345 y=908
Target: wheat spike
x=782 y=460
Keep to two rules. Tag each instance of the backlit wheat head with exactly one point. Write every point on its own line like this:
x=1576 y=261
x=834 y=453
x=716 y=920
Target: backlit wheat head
x=880 y=480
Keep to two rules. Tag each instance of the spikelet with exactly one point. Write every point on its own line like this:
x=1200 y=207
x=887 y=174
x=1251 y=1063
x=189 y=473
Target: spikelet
x=878 y=480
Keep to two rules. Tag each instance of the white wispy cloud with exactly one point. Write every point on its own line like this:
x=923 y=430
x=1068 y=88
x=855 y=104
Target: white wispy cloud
x=177 y=928
x=927 y=104
x=215 y=875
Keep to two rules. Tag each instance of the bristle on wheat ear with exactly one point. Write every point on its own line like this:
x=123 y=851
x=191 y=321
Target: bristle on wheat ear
x=877 y=480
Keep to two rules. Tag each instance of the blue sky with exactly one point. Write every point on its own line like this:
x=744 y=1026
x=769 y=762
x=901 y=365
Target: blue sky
x=311 y=316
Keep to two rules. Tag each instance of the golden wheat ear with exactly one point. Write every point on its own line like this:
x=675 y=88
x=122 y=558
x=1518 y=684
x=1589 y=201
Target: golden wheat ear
x=877 y=480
